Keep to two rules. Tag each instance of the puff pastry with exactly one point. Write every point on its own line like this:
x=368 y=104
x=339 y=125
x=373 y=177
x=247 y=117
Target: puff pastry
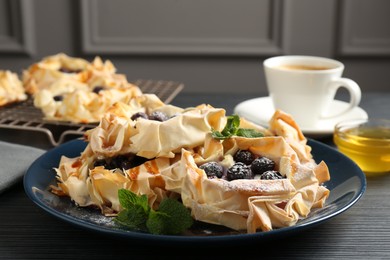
x=73 y=89
x=117 y=135
x=172 y=152
x=11 y=88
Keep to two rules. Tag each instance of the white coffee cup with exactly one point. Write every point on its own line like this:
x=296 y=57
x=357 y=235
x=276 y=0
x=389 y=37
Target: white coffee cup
x=305 y=86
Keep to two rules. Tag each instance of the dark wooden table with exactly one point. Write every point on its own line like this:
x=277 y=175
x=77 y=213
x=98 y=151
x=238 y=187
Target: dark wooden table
x=361 y=232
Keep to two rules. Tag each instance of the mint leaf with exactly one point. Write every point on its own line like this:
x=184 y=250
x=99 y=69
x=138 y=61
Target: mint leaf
x=180 y=216
x=156 y=223
x=232 y=128
x=218 y=135
x=132 y=218
x=249 y=133
x=135 y=210
x=172 y=217
x=128 y=199
x=232 y=125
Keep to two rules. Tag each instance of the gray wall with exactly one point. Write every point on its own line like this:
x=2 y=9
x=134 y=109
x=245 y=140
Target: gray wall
x=209 y=45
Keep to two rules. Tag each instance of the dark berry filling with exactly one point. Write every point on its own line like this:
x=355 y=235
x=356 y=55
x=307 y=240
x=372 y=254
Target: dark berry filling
x=244 y=156
x=246 y=166
x=97 y=89
x=58 y=98
x=138 y=115
x=212 y=169
x=66 y=70
x=271 y=175
x=158 y=116
x=121 y=161
x=239 y=171
x=262 y=164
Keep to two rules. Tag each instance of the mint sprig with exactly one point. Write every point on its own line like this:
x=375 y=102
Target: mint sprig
x=171 y=217
x=232 y=128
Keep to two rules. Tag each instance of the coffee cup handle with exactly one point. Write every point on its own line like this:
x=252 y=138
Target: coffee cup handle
x=354 y=91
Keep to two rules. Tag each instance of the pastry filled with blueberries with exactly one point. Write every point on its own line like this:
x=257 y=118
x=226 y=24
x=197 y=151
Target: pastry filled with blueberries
x=146 y=160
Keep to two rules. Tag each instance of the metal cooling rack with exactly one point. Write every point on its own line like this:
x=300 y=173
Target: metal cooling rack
x=24 y=116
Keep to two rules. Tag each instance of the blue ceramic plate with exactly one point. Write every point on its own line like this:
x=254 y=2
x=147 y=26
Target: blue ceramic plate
x=346 y=186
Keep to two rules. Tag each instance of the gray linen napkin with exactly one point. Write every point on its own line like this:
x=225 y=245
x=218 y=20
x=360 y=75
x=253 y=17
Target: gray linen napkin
x=14 y=162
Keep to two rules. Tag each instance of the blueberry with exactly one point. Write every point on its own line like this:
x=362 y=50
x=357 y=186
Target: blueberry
x=97 y=89
x=158 y=116
x=66 y=70
x=137 y=160
x=116 y=162
x=212 y=169
x=271 y=175
x=58 y=98
x=262 y=164
x=139 y=114
x=126 y=165
x=100 y=162
x=239 y=171
x=130 y=161
x=244 y=156
x=125 y=162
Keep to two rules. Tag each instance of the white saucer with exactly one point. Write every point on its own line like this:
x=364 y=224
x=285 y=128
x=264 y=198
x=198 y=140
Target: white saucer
x=260 y=111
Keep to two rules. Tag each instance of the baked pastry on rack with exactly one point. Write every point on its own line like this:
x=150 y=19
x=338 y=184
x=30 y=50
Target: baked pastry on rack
x=69 y=100
x=73 y=89
x=53 y=68
x=11 y=88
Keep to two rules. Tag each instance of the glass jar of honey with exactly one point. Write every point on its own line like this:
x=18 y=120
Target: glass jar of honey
x=366 y=142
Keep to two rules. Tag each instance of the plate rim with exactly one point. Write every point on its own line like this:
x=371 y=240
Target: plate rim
x=168 y=239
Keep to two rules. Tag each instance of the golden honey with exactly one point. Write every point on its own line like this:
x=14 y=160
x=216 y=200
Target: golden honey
x=367 y=143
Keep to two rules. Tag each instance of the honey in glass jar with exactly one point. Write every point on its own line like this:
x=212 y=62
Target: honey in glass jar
x=366 y=142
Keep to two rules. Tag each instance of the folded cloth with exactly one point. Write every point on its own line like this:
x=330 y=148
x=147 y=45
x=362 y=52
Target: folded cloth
x=14 y=162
